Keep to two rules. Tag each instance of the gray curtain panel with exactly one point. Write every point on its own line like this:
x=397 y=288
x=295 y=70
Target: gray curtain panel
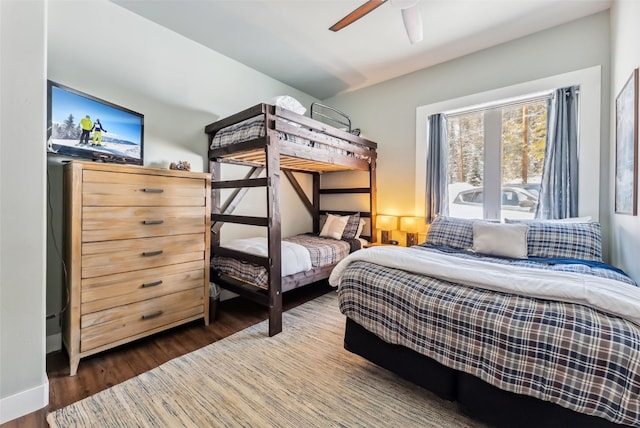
x=559 y=186
x=437 y=159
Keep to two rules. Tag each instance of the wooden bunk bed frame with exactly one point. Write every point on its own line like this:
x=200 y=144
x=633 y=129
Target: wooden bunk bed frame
x=274 y=155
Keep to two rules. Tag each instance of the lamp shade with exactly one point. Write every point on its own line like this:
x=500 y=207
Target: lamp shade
x=387 y=222
x=413 y=224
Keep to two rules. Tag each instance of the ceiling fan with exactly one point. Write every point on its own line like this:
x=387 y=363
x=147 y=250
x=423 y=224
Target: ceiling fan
x=410 y=16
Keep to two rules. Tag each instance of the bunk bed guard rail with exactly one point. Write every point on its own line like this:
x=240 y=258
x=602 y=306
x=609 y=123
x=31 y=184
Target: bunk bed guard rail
x=337 y=118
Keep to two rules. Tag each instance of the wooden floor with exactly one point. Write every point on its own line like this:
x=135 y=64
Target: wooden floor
x=109 y=368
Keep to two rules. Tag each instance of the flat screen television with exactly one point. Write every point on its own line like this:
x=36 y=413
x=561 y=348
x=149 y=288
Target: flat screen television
x=83 y=126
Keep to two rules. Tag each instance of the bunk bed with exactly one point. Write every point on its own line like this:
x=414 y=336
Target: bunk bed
x=273 y=141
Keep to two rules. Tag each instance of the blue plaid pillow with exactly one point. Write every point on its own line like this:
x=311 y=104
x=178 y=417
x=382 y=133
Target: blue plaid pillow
x=565 y=240
x=451 y=232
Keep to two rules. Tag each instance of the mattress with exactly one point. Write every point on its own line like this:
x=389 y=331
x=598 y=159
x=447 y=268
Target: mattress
x=254 y=127
x=320 y=252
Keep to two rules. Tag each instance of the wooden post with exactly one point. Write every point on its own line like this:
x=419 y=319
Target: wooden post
x=274 y=231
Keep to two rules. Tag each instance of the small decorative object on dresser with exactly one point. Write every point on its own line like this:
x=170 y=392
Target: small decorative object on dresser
x=137 y=253
x=180 y=166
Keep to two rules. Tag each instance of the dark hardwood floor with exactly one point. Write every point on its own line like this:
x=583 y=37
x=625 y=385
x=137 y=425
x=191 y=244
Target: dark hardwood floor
x=109 y=368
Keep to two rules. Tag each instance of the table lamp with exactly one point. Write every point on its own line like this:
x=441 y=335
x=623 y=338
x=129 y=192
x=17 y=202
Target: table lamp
x=412 y=226
x=386 y=223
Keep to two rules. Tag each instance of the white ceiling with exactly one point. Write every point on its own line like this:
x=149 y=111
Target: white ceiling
x=289 y=40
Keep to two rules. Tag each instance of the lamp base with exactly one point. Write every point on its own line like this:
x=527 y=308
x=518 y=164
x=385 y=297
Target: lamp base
x=384 y=236
x=412 y=239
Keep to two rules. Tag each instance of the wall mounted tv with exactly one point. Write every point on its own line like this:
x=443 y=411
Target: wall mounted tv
x=80 y=125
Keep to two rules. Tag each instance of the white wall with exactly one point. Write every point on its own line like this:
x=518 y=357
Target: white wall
x=387 y=112
x=180 y=86
x=625 y=57
x=23 y=381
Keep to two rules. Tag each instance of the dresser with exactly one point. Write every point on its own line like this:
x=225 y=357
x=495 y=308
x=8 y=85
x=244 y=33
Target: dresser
x=137 y=253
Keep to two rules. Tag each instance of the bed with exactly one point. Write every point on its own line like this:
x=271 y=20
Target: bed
x=273 y=141
x=551 y=338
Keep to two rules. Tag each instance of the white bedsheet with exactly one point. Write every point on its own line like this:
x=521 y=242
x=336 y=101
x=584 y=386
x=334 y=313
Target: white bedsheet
x=295 y=257
x=604 y=294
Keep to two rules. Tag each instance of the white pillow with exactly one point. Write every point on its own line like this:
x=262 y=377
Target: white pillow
x=586 y=219
x=289 y=103
x=505 y=240
x=334 y=226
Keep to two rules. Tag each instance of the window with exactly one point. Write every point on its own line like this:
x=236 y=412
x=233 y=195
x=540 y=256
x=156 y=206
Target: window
x=496 y=156
x=590 y=82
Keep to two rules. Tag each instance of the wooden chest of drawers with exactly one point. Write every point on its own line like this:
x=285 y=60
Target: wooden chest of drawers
x=137 y=253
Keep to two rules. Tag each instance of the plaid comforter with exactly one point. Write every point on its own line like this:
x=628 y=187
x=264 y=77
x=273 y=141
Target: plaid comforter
x=569 y=354
x=323 y=251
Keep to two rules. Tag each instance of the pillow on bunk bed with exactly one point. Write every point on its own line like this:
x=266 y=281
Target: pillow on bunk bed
x=361 y=224
x=351 y=229
x=289 y=103
x=334 y=226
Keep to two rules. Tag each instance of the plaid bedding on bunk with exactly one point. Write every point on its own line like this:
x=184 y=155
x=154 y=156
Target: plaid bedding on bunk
x=252 y=128
x=323 y=251
x=569 y=354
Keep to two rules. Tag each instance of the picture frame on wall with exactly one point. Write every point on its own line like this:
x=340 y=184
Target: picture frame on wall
x=626 y=195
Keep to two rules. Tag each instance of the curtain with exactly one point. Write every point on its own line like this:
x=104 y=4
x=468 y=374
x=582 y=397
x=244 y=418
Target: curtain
x=559 y=184
x=437 y=159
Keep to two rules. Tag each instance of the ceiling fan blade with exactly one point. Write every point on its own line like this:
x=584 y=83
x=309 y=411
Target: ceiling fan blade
x=358 y=13
x=413 y=23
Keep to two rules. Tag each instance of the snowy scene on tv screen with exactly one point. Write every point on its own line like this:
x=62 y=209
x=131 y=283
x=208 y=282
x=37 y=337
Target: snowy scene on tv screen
x=84 y=127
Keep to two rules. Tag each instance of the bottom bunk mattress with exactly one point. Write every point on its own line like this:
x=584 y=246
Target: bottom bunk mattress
x=568 y=334
x=299 y=253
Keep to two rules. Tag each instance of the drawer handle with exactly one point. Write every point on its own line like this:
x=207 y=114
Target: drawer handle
x=151 y=190
x=151 y=284
x=153 y=222
x=152 y=253
x=152 y=315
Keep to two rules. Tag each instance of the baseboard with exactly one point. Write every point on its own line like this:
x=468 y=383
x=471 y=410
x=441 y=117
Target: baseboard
x=24 y=402
x=54 y=342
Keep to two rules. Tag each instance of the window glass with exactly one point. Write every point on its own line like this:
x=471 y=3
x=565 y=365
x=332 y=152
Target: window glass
x=510 y=155
x=465 y=133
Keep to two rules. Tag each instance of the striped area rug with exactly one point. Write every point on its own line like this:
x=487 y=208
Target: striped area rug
x=301 y=377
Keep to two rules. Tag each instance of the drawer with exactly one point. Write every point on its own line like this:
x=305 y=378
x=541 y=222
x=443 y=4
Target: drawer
x=107 y=223
x=111 y=325
x=105 y=292
x=126 y=255
x=103 y=188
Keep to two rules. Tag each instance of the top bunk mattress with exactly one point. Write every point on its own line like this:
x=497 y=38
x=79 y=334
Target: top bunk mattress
x=254 y=127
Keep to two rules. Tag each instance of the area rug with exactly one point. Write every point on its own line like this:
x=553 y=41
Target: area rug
x=302 y=377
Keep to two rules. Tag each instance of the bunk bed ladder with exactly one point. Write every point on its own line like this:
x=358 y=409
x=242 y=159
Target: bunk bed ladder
x=221 y=214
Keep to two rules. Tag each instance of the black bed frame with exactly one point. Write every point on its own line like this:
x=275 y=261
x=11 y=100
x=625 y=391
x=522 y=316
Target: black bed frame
x=273 y=156
x=475 y=397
